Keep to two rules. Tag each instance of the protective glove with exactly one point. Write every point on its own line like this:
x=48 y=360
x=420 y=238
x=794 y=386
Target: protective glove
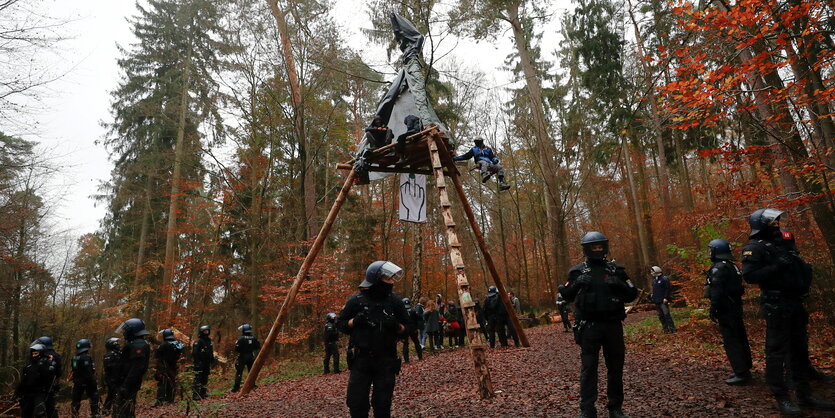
x=614 y=281
x=714 y=314
x=361 y=320
x=390 y=323
x=583 y=280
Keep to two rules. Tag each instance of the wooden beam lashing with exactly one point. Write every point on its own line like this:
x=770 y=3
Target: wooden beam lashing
x=465 y=299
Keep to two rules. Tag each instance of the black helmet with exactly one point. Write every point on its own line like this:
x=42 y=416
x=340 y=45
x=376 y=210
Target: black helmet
x=492 y=290
x=330 y=317
x=205 y=328
x=720 y=250
x=479 y=142
x=407 y=302
x=133 y=327
x=245 y=329
x=761 y=220
x=83 y=345
x=594 y=237
x=379 y=270
x=38 y=347
x=112 y=344
x=46 y=341
x=168 y=334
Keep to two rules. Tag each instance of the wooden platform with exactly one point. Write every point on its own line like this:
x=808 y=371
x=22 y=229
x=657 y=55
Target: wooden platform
x=385 y=160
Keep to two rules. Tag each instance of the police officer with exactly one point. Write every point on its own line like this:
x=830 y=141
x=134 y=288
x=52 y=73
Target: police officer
x=57 y=374
x=725 y=289
x=135 y=356
x=84 y=378
x=599 y=289
x=661 y=298
x=374 y=318
x=784 y=278
x=203 y=354
x=246 y=346
x=112 y=372
x=35 y=382
x=562 y=306
x=167 y=354
x=496 y=316
x=413 y=333
x=331 y=337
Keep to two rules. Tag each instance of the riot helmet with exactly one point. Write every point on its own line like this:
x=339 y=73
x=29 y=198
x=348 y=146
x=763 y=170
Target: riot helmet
x=245 y=329
x=330 y=317
x=762 y=221
x=205 y=330
x=720 y=249
x=168 y=334
x=492 y=290
x=83 y=345
x=592 y=238
x=37 y=348
x=133 y=327
x=46 y=341
x=379 y=270
x=112 y=344
x=655 y=271
x=407 y=302
x=479 y=142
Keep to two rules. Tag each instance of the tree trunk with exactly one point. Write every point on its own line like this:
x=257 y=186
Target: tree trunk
x=417 y=261
x=173 y=206
x=544 y=144
x=140 y=255
x=305 y=150
x=639 y=225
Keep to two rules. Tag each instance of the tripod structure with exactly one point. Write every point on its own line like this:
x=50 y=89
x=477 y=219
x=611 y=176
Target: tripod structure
x=427 y=153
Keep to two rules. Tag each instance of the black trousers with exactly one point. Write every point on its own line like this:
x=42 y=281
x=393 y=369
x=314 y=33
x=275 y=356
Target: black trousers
x=51 y=405
x=785 y=341
x=124 y=406
x=78 y=391
x=607 y=335
x=665 y=318
x=735 y=340
x=367 y=371
x=201 y=379
x=415 y=337
x=112 y=389
x=511 y=332
x=331 y=352
x=166 y=383
x=33 y=405
x=566 y=322
x=495 y=325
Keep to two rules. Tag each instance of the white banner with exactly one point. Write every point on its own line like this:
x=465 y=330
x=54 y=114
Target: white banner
x=412 y=197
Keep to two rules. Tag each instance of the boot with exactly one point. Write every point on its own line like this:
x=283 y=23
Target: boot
x=787 y=407
x=739 y=379
x=502 y=184
x=485 y=175
x=617 y=413
x=812 y=402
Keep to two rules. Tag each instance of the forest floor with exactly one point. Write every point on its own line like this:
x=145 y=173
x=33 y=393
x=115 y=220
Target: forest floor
x=679 y=375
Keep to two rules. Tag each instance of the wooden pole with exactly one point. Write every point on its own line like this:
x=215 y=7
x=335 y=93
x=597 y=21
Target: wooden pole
x=482 y=244
x=477 y=347
x=294 y=289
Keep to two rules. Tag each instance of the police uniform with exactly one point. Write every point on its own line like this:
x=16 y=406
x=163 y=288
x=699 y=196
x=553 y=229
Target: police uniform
x=112 y=375
x=35 y=384
x=725 y=289
x=135 y=357
x=599 y=289
x=331 y=336
x=167 y=354
x=245 y=346
x=84 y=381
x=374 y=344
x=496 y=316
x=203 y=354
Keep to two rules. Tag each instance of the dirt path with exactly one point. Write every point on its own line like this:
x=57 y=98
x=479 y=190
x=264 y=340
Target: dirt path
x=539 y=381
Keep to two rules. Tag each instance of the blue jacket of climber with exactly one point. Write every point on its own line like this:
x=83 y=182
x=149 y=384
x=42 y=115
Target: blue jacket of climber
x=486 y=161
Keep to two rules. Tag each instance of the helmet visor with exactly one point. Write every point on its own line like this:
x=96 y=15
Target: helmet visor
x=769 y=215
x=391 y=271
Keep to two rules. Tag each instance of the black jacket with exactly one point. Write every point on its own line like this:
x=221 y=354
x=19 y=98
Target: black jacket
x=725 y=283
x=202 y=352
x=83 y=368
x=167 y=354
x=36 y=377
x=330 y=333
x=603 y=298
x=113 y=368
x=379 y=337
x=494 y=308
x=135 y=358
x=246 y=345
x=774 y=268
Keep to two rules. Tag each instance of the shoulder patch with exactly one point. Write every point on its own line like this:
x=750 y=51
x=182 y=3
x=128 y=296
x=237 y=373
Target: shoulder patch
x=749 y=252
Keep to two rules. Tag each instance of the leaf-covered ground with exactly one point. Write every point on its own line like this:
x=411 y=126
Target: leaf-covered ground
x=662 y=378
